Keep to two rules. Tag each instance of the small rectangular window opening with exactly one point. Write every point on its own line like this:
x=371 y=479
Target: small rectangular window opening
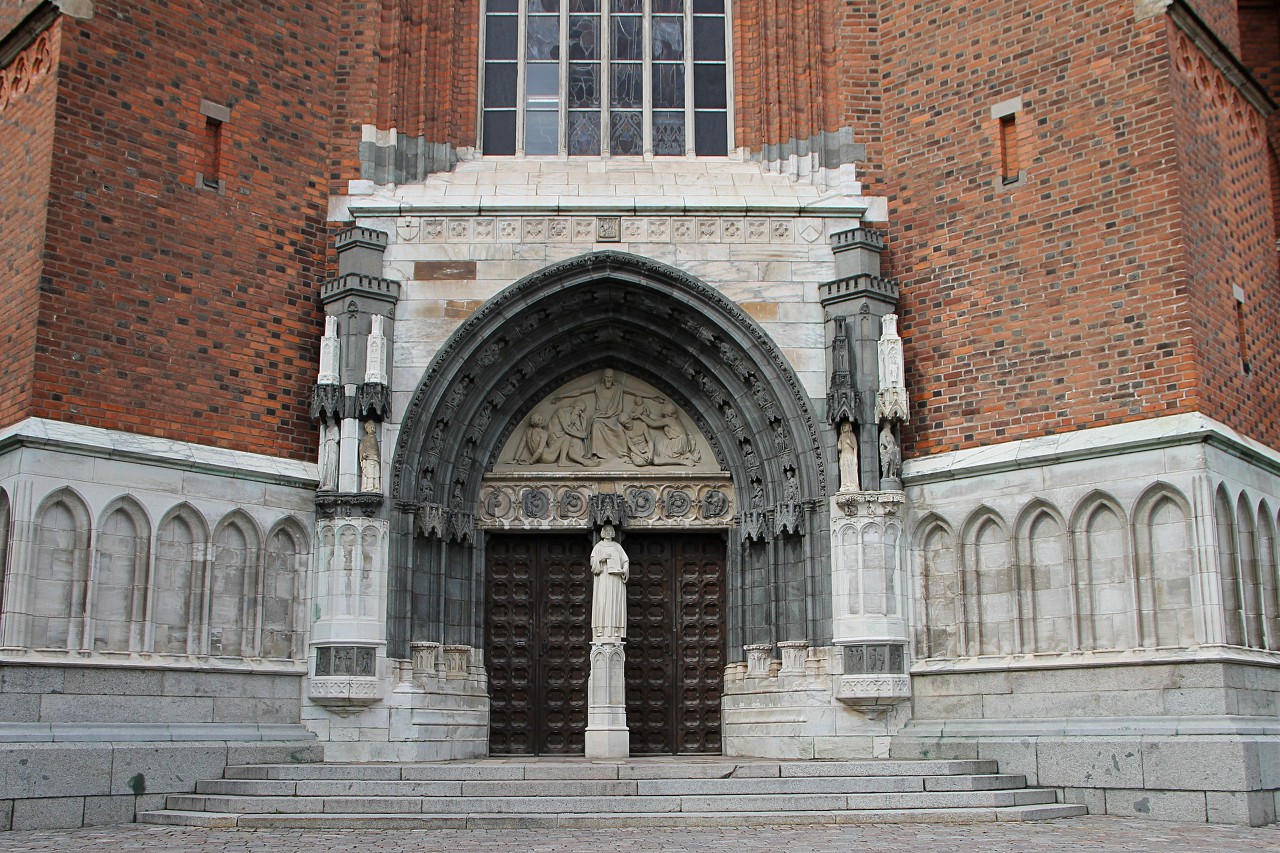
x=211 y=168
x=211 y=144
x=1010 y=164
x=1241 y=338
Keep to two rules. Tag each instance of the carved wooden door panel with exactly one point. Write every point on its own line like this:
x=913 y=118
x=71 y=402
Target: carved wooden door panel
x=537 y=643
x=675 y=641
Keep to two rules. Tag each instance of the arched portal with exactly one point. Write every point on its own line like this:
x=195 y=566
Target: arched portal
x=610 y=310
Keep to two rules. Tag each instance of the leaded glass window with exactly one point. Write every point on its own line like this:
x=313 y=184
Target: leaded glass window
x=606 y=77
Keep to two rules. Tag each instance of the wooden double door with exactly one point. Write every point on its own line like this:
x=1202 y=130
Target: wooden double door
x=538 y=642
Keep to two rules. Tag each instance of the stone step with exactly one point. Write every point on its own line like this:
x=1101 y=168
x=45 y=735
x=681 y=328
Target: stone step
x=173 y=817
x=498 y=771
x=516 y=804
x=607 y=788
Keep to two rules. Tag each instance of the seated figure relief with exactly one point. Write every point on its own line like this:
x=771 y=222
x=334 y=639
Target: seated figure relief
x=606 y=420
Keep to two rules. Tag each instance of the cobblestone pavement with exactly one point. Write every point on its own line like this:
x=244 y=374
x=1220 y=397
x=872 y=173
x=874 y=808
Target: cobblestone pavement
x=1092 y=834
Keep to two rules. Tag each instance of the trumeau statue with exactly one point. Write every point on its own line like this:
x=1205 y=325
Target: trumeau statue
x=608 y=421
x=611 y=568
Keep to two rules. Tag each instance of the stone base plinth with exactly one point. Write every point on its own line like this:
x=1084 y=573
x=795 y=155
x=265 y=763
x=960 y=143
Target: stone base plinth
x=608 y=743
x=607 y=735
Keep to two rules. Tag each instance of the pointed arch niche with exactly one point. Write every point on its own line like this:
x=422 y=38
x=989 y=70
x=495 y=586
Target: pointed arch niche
x=610 y=310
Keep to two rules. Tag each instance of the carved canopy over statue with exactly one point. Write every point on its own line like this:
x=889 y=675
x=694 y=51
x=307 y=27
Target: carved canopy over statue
x=610 y=421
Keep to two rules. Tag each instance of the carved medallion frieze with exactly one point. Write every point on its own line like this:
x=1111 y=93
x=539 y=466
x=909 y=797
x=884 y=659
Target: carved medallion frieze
x=515 y=504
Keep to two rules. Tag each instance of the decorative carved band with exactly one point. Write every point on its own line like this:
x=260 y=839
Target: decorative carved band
x=523 y=504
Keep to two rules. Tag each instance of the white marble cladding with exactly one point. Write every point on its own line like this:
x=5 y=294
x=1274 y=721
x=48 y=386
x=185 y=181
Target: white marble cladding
x=459 y=238
x=868 y=567
x=349 y=581
x=793 y=708
x=1106 y=545
x=127 y=550
x=434 y=707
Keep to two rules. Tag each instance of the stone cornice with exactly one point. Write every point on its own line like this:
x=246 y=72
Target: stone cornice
x=1099 y=442
x=166 y=453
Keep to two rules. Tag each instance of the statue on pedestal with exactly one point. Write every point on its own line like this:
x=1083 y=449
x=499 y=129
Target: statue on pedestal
x=890 y=454
x=611 y=568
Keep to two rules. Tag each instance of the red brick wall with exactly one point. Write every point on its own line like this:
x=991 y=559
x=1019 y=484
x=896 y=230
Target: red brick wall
x=791 y=61
x=1056 y=304
x=168 y=308
x=12 y=12
x=28 y=91
x=1230 y=241
x=1260 y=51
x=405 y=64
x=1220 y=15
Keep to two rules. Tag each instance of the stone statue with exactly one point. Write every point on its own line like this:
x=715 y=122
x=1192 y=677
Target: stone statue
x=534 y=447
x=329 y=354
x=375 y=362
x=567 y=438
x=676 y=446
x=848 y=445
x=329 y=457
x=890 y=453
x=608 y=438
x=611 y=568
x=370 y=459
x=791 y=488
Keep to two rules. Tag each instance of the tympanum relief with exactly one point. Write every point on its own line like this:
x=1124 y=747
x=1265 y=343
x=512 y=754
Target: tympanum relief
x=610 y=421
x=606 y=433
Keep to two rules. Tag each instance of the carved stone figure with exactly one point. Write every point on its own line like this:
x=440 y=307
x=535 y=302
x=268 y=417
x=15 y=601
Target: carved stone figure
x=625 y=425
x=611 y=568
x=848 y=445
x=639 y=446
x=329 y=457
x=568 y=437
x=608 y=437
x=676 y=447
x=791 y=488
x=370 y=459
x=890 y=454
x=534 y=447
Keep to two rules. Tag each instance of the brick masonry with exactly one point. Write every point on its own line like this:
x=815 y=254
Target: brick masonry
x=168 y=307
x=1072 y=297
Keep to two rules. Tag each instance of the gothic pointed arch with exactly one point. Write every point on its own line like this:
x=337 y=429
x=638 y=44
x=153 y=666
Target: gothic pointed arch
x=600 y=310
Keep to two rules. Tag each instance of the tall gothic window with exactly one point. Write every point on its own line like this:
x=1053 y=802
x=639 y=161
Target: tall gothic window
x=606 y=77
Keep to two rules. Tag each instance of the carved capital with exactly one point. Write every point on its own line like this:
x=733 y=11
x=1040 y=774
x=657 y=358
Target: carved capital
x=880 y=505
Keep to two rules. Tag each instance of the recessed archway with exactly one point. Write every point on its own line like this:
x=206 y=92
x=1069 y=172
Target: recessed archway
x=610 y=310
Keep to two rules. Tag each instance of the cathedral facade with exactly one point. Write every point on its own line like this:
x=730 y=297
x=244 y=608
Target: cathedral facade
x=922 y=358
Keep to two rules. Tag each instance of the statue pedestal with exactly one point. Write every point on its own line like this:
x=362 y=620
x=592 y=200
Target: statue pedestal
x=607 y=735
